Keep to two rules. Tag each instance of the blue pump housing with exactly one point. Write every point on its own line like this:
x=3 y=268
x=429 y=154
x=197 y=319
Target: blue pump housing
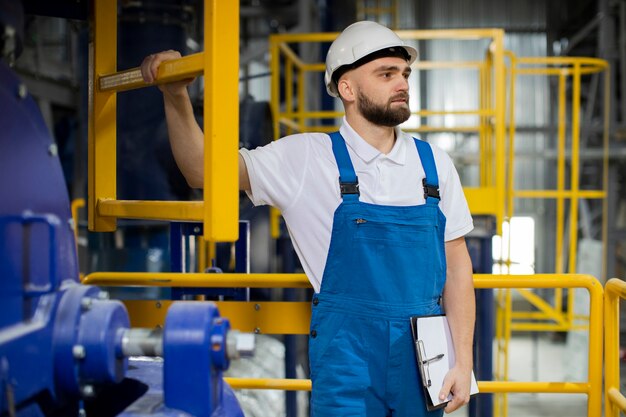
x=61 y=343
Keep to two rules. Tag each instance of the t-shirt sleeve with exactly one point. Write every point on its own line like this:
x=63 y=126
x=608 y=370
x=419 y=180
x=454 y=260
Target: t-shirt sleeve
x=276 y=171
x=453 y=202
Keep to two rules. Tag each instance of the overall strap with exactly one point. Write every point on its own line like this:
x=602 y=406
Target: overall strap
x=431 y=182
x=348 y=181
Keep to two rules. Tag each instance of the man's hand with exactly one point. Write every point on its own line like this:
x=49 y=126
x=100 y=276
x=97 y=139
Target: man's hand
x=457 y=383
x=150 y=67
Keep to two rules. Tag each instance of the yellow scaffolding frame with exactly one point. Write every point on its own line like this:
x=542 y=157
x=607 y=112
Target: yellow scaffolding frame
x=489 y=198
x=219 y=64
x=614 y=400
x=550 y=316
x=293 y=318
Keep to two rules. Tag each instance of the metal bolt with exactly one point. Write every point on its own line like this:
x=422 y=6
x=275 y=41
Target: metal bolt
x=53 y=149
x=22 y=91
x=196 y=229
x=78 y=351
x=257 y=330
x=158 y=304
x=257 y=307
x=103 y=295
x=87 y=391
x=86 y=303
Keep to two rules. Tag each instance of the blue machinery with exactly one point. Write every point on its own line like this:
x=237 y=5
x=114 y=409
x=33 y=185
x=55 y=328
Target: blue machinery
x=65 y=348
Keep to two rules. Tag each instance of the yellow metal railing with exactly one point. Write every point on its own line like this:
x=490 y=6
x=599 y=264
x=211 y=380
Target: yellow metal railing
x=294 y=317
x=550 y=315
x=564 y=68
x=615 y=289
x=219 y=64
x=292 y=116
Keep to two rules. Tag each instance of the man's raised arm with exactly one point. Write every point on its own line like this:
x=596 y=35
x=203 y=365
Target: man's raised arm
x=186 y=137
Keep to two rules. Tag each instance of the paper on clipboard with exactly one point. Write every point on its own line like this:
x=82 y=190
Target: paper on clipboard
x=432 y=340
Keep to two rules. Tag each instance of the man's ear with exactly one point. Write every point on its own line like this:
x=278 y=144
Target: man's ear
x=346 y=89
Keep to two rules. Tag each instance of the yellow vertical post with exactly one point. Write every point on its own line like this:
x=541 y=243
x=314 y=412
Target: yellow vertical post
x=560 y=185
x=594 y=356
x=560 y=181
x=301 y=109
x=611 y=343
x=289 y=108
x=574 y=180
x=221 y=120
x=575 y=168
x=500 y=123
x=511 y=166
x=275 y=84
x=605 y=173
x=102 y=115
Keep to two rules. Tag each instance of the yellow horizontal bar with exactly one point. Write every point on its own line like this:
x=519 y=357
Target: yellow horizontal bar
x=434 y=129
x=313 y=114
x=423 y=129
x=269 y=383
x=319 y=67
x=545 y=327
x=617 y=398
x=483 y=386
x=482 y=200
x=427 y=65
x=479 y=112
x=189 y=66
x=452 y=34
x=557 y=71
x=543 y=387
x=246 y=316
x=422 y=113
x=557 y=194
x=555 y=60
x=538 y=315
x=154 y=210
x=176 y=279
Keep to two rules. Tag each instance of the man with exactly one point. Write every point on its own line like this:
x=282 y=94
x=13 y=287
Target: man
x=373 y=214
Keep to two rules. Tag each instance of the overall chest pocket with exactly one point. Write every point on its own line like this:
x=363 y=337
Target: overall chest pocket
x=393 y=232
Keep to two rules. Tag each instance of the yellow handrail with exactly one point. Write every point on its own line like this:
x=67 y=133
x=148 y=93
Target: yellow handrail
x=592 y=387
x=614 y=290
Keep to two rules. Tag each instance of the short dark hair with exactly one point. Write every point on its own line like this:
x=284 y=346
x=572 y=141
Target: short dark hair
x=396 y=51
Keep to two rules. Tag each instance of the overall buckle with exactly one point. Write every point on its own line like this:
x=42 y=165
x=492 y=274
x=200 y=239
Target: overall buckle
x=430 y=190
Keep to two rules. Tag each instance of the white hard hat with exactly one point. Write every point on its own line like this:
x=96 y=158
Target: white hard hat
x=357 y=41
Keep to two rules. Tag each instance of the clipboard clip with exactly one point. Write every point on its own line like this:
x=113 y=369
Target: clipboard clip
x=424 y=362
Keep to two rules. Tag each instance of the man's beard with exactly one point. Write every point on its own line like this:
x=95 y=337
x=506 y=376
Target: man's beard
x=383 y=115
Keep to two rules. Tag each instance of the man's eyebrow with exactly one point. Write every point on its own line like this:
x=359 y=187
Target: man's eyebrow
x=384 y=68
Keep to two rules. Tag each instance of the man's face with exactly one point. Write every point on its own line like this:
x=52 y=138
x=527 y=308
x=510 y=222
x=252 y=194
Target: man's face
x=382 y=91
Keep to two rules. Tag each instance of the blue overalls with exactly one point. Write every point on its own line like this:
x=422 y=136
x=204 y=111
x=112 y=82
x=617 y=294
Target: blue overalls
x=385 y=264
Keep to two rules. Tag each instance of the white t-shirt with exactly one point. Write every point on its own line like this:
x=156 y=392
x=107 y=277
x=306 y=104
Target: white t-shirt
x=298 y=174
